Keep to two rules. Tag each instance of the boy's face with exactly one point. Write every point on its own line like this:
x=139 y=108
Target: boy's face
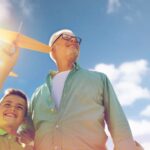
x=12 y=111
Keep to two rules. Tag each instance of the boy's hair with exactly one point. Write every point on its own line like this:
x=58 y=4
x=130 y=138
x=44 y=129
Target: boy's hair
x=16 y=92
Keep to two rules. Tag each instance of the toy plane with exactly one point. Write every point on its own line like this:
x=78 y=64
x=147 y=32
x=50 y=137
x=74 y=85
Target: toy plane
x=13 y=74
x=23 y=41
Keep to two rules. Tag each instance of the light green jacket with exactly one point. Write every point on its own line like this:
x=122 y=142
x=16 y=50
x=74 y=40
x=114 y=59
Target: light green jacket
x=9 y=142
x=88 y=100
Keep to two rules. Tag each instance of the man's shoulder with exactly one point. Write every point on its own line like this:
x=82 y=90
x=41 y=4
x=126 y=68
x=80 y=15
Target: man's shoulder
x=94 y=73
x=40 y=89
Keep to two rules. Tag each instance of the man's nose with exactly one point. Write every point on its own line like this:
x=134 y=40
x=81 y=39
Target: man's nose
x=74 y=40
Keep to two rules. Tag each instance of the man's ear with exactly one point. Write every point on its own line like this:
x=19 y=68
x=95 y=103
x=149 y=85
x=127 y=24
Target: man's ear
x=53 y=53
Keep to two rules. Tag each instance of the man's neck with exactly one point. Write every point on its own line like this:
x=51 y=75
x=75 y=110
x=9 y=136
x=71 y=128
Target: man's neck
x=65 y=66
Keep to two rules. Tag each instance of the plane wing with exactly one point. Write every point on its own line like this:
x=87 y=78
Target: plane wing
x=13 y=74
x=23 y=41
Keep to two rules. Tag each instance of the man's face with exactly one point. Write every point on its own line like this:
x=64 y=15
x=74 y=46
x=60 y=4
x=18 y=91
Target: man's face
x=12 y=111
x=66 y=47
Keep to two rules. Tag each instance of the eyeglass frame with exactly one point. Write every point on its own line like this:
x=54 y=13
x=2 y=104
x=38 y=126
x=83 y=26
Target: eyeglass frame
x=76 y=37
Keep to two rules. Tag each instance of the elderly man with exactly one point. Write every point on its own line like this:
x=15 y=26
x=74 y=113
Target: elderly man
x=70 y=109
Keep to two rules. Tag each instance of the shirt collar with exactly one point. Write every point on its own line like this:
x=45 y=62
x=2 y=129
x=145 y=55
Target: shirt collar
x=75 y=68
x=52 y=73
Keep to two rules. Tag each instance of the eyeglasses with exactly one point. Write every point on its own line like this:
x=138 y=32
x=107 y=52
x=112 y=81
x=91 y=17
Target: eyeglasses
x=68 y=38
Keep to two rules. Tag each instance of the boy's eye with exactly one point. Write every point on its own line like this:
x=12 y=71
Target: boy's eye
x=7 y=105
x=19 y=107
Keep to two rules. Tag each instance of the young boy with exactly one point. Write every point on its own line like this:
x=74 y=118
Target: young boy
x=13 y=110
x=13 y=107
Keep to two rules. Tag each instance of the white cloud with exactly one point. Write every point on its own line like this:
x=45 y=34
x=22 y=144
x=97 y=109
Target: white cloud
x=146 y=111
x=146 y=145
x=25 y=7
x=127 y=80
x=140 y=128
x=9 y=6
x=113 y=5
x=132 y=16
x=141 y=133
x=4 y=8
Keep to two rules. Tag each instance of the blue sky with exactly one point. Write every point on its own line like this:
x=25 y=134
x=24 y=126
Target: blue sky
x=115 y=40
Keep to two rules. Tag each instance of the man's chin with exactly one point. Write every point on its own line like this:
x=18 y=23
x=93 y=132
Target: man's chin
x=72 y=56
x=73 y=53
